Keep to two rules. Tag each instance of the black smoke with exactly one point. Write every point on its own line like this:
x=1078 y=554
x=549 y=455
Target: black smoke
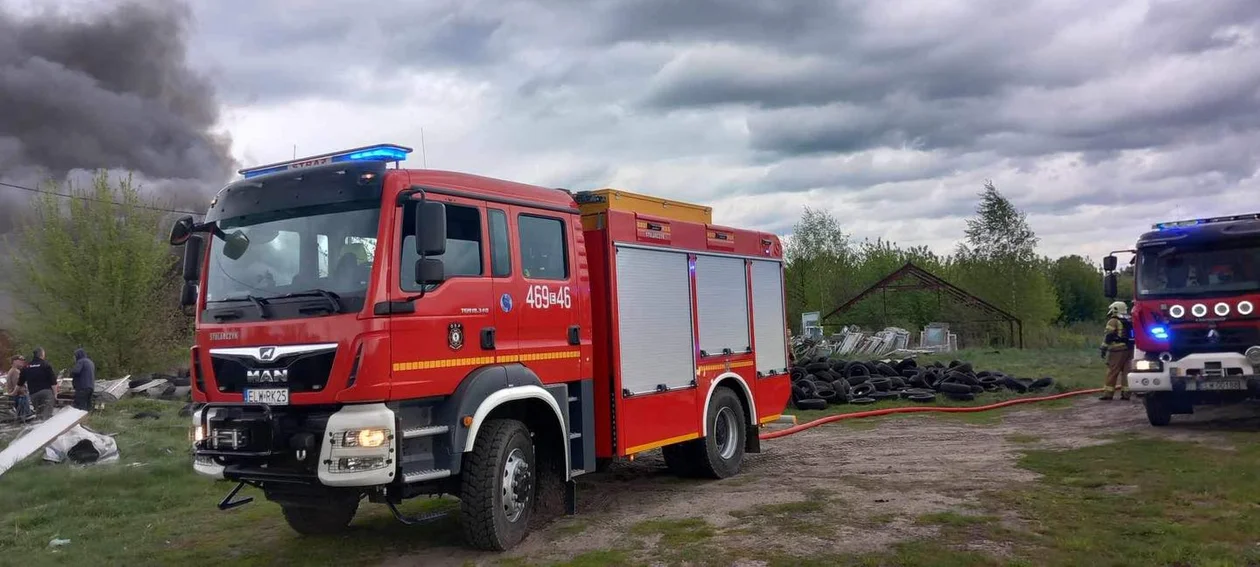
x=109 y=90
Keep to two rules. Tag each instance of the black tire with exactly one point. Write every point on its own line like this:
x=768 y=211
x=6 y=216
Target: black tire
x=863 y=401
x=817 y=367
x=1041 y=383
x=965 y=368
x=137 y=382
x=854 y=369
x=887 y=370
x=1014 y=385
x=720 y=454
x=906 y=364
x=953 y=388
x=810 y=404
x=860 y=391
x=922 y=398
x=959 y=396
x=880 y=396
x=882 y=384
x=1158 y=410
x=897 y=383
x=324 y=518
x=502 y=444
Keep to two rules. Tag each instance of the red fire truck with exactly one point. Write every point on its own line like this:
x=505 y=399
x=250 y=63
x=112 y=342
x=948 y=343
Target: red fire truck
x=367 y=331
x=1195 y=325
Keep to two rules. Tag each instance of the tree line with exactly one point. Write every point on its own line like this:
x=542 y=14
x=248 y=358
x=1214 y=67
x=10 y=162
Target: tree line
x=1058 y=300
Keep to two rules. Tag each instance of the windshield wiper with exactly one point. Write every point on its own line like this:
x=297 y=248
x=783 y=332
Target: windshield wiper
x=259 y=302
x=332 y=298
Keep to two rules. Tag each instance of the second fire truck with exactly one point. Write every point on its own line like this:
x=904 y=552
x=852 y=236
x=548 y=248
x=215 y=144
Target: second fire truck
x=1195 y=324
x=368 y=332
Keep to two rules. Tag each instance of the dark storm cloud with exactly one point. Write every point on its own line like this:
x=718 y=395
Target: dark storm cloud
x=108 y=91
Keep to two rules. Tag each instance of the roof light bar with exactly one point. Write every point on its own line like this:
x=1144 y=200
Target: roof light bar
x=378 y=152
x=1195 y=222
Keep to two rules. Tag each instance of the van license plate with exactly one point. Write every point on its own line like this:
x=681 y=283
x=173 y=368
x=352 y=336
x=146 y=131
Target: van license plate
x=1221 y=385
x=269 y=396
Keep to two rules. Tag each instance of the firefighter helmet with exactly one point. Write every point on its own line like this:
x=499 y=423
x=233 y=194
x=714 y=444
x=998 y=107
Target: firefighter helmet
x=1117 y=308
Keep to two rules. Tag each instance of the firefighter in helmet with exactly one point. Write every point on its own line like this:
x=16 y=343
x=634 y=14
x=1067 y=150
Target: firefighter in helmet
x=1117 y=350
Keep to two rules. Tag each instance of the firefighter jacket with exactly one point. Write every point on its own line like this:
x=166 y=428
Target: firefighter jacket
x=1119 y=334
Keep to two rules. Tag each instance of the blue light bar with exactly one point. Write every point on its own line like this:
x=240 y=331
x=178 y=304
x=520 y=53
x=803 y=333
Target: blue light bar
x=1195 y=222
x=378 y=152
x=1160 y=333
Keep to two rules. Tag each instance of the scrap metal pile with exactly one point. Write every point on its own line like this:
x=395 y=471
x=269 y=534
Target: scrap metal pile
x=822 y=381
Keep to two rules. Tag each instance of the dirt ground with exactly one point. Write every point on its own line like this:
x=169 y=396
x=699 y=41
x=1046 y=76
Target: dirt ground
x=835 y=488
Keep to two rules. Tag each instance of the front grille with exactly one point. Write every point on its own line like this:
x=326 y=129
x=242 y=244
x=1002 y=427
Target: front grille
x=1227 y=339
x=307 y=372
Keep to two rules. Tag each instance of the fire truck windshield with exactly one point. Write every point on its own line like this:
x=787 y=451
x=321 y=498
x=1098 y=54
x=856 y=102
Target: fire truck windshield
x=307 y=250
x=1181 y=271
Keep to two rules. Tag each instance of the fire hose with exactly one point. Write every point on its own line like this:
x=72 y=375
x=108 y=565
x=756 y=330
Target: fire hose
x=921 y=409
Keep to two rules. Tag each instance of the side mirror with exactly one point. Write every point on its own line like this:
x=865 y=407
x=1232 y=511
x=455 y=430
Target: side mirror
x=1109 y=285
x=235 y=245
x=1109 y=263
x=430 y=228
x=193 y=248
x=430 y=271
x=188 y=295
x=181 y=231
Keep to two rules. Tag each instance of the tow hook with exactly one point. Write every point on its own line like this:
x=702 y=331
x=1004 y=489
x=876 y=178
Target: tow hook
x=227 y=503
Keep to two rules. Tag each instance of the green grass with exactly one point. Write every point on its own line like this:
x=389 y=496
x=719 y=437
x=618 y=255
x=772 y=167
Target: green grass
x=1072 y=369
x=675 y=532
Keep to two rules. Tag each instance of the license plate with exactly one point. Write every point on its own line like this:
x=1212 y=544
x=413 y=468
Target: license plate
x=1222 y=385
x=269 y=396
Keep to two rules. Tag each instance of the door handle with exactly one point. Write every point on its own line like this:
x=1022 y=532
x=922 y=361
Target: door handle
x=575 y=335
x=487 y=338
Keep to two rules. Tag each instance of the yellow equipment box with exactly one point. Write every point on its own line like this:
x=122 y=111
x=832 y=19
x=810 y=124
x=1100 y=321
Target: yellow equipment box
x=600 y=200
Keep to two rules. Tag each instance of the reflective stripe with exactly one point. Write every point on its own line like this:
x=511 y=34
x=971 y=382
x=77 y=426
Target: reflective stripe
x=484 y=360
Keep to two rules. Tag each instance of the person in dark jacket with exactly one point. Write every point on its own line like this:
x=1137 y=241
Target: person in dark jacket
x=40 y=381
x=83 y=374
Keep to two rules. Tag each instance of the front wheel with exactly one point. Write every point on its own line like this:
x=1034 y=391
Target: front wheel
x=1158 y=411
x=497 y=486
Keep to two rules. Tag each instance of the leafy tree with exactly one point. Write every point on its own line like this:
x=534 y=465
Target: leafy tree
x=999 y=230
x=817 y=261
x=1078 y=284
x=95 y=271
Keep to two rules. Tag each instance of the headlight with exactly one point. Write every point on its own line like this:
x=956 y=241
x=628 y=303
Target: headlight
x=1147 y=365
x=1245 y=308
x=1177 y=311
x=366 y=438
x=1199 y=310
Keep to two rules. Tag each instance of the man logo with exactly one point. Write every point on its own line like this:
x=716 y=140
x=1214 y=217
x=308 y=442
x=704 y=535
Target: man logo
x=277 y=376
x=267 y=353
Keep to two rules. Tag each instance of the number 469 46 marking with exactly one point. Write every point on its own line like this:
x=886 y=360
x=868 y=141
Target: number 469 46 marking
x=543 y=297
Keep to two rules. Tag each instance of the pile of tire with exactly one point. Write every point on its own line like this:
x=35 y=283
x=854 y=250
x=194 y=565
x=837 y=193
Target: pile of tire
x=173 y=387
x=823 y=381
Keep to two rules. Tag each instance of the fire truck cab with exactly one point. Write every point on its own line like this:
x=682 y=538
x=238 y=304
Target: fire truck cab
x=373 y=332
x=1196 y=329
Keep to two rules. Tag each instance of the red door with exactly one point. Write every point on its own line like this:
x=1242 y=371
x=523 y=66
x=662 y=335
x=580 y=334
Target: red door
x=543 y=295
x=439 y=343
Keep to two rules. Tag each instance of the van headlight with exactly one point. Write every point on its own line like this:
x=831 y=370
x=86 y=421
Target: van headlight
x=1148 y=365
x=364 y=438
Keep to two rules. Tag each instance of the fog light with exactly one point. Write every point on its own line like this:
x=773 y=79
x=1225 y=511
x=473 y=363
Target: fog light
x=1146 y=381
x=368 y=438
x=1221 y=309
x=199 y=434
x=1199 y=310
x=1155 y=381
x=1245 y=308
x=357 y=464
x=1177 y=311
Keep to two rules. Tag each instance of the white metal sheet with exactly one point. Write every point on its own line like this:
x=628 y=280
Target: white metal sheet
x=768 y=322
x=722 y=304
x=654 y=320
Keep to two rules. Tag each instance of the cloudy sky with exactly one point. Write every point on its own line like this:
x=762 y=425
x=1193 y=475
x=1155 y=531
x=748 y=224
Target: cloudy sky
x=1097 y=118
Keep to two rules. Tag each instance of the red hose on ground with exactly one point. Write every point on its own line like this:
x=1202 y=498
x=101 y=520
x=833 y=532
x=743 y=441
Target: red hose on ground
x=920 y=409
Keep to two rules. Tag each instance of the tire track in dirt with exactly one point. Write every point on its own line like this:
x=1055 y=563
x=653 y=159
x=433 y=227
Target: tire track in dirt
x=838 y=489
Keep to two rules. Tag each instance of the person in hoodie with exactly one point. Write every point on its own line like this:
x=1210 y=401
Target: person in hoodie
x=40 y=381
x=83 y=374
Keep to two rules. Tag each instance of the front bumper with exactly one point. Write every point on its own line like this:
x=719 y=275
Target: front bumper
x=1222 y=373
x=295 y=445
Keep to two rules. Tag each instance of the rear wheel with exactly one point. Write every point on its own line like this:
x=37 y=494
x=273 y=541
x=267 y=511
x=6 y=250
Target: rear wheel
x=1158 y=410
x=324 y=518
x=497 y=486
x=720 y=454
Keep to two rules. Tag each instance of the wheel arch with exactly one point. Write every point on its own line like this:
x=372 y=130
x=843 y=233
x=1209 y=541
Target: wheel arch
x=511 y=391
x=736 y=383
